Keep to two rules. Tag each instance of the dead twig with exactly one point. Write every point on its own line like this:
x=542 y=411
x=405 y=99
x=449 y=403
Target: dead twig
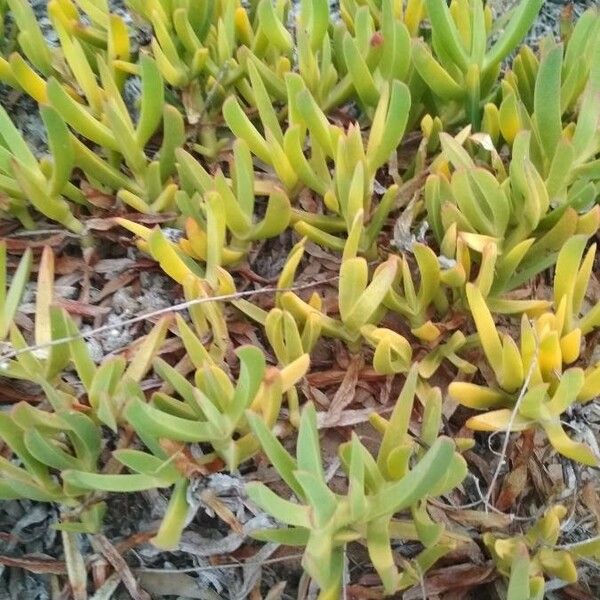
x=32 y=564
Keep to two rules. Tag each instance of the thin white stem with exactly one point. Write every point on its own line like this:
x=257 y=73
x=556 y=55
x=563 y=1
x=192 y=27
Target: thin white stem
x=163 y=311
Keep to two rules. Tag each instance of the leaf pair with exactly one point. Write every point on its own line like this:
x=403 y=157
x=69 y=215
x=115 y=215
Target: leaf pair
x=352 y=187
x=374 y=59
x=536 y=97
x=545 y=347
x=507 y=227
x=416 y=303
x=176 y=46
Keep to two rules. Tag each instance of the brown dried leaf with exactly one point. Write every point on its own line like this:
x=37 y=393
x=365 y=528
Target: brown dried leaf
x=345 y=393
x=13 y=391
x=21 y=244
x=590 y=497
x=480 y=519
x=576 y=592
x=456 y=577
x=346 y=419
x=82 y=309
x=321 y=379
x=210 y=499
x=513 y=486
x=35 y=564
x=360 y=592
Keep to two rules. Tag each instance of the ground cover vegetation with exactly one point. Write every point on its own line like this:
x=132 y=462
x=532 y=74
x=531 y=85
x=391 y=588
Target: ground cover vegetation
x=380 y=225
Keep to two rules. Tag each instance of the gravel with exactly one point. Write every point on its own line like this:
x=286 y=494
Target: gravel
x=549 y=18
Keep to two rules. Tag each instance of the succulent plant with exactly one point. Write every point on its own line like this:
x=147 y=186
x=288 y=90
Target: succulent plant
x=565 y=157
x=268 y=125
x=505 y=224
x=360 y=302
x=46 y=184
x=526 y=559
x=324 y=522
x=82 y=28
x=548 y=344
x=459 y=68
x=45 y=442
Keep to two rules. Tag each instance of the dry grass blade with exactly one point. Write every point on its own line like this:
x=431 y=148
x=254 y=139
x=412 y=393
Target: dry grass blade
x=76 y=568
x=121 y=567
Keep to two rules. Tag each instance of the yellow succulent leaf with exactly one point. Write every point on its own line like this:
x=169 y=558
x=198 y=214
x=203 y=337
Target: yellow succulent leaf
x=352 y=283
x=302 y=311
x=510 y=119
x=512 y=365
x=392 y=351
x=490 y=122
x=316 y=301
x=498 y=420
x=454 y=277
x=486 y=328
x=487 y=268
x=243 y=28
x=558 y=564
x=550 y=356
x=369 y=300
x=274 y=330
x=415 y=11
x=546 y=530
x=428 y=332
x=505 y=549
x=134 y=201
x=464 y=444
x=477 y=396
x=292 y=373
x=169 y=258
x=140 y=230
x=118 y=38
x=588 y=223
x=476 y=241
x=570 y=346
x=566 y=446
x=6 y=74
x=591 y=386
x=28 y=79
x=225 y=283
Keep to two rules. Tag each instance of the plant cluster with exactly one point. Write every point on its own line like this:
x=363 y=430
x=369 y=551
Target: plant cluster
x=442 y=169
